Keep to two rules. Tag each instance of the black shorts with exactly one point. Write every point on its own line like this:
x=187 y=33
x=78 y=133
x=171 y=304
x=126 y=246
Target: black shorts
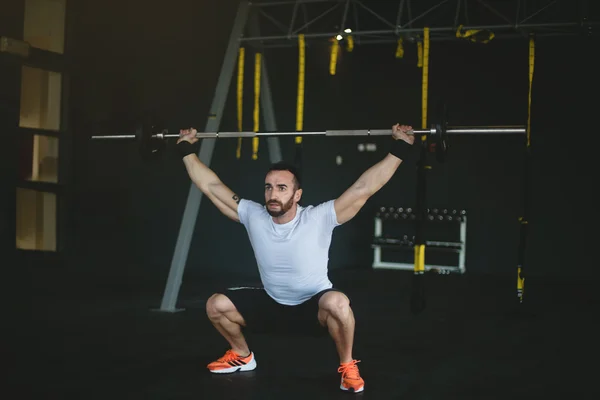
x=262 y=314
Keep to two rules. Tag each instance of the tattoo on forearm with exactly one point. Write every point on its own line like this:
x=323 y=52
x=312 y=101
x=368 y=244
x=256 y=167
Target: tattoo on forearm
x=236 y=198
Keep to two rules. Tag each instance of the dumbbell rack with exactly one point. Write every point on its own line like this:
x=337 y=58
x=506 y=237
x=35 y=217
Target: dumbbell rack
x=395 y=215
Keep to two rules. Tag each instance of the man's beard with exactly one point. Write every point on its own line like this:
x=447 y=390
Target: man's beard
x=283 y=208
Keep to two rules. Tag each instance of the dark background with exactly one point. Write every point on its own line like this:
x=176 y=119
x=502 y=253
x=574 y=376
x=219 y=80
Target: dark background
x=81 y=327
x=126 y=213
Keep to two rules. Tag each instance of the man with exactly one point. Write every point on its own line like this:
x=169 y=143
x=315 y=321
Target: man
x=291 y=246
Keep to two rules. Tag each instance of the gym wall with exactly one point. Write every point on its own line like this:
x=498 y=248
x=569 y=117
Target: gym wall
x=128 y=213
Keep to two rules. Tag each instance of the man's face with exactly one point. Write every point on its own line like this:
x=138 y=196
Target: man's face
x=280 y=192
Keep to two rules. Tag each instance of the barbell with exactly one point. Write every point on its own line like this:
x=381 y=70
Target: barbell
x=151 y=139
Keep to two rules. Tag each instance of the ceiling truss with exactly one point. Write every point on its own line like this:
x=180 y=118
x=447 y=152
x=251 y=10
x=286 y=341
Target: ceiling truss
x=382 y=21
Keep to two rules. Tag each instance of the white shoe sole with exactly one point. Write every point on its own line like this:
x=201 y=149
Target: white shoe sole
x=352 y=390
x=247 y=367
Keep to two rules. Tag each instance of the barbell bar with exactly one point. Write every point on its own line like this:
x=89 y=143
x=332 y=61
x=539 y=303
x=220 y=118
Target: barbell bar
x=356 y=132
x=151 y=139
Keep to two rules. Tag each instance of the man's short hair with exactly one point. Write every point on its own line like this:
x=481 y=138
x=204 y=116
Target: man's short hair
x=285 y=166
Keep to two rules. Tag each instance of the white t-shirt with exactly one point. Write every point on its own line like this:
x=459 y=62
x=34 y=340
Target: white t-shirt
x=292 y=258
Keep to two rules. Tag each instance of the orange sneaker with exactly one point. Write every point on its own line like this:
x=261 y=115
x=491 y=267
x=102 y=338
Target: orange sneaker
x=351 y=380
x=232 y=362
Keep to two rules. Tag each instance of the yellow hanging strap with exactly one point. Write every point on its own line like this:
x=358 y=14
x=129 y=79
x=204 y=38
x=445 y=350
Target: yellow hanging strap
x=335 y=47
x=349 y=43
x=520 y=283
x=400 y=49
x=257 y=65
x=475 y=35
x=420 y=258
x=531 y=63
x=419 y=54
x=300 y=102
x=240 y=99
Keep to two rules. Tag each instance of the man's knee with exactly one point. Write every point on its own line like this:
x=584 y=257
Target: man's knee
x=335 y=304
x=217 y=305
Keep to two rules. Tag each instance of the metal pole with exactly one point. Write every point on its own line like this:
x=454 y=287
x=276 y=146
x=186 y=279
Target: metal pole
x=417 y=298
x=269 y=115
x=266 y=96
x=192 y=206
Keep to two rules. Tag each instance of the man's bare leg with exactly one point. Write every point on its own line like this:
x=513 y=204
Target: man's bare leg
x=228 y=321
x=335 y=313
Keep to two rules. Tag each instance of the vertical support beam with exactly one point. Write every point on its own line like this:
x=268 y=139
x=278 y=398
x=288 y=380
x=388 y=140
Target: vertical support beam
x=417 y=297
x=266 y=95
x=345 y=16
x=269 y=115
x=399 y=16
x=11 y=21
x=377 y=232
x=456 y=15
x=462 y=256
x=192 y=206
x=524 y=220
x=292 y=23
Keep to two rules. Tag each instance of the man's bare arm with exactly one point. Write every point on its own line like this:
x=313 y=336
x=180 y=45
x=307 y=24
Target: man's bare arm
x=371 y=181
x=207 y=181
x=210 y=184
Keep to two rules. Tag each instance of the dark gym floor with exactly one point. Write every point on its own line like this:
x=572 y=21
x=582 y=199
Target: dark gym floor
x=105 y=342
